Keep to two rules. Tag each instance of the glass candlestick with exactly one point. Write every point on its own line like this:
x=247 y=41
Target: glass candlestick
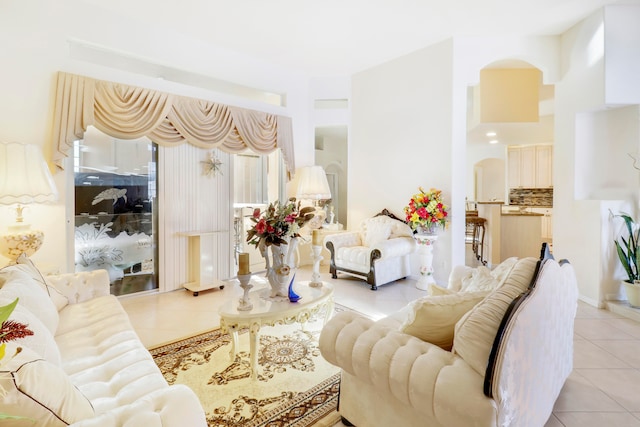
x=315 y=276
x=245 y=283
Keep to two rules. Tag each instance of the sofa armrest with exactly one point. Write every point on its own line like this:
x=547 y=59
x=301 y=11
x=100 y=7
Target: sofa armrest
x=82 y=286
x=415 y=372
x=398 y=246
x=175 y=406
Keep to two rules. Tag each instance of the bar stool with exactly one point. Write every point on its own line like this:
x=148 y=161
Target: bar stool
x=474 y=235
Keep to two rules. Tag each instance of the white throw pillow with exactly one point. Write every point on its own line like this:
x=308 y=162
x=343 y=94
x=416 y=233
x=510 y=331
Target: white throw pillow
x=26 y=264
x=42 y=341
x=480 y=280
x=32 y=297
x=433 y=319
x=502 y=270
x=39 y=390
x=376 y=232
x=477 y=329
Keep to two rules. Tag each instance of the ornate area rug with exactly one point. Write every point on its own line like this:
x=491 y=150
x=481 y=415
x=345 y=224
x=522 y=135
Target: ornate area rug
x=295 y=385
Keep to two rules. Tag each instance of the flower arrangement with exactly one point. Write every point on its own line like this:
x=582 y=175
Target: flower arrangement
x=278 y=222
x=426 y=210
x=10 y=330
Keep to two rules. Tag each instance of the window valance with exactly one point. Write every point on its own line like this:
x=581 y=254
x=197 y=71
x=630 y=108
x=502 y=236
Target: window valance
x=129 y=112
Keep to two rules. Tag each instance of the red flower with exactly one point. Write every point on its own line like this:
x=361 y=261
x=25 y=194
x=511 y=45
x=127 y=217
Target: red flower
x=261 y=225
x=256 y=213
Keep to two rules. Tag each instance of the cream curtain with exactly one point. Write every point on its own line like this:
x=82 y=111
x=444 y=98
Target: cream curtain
x=129 y=112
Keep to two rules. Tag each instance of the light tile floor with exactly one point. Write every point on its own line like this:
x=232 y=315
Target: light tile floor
x=603 y=389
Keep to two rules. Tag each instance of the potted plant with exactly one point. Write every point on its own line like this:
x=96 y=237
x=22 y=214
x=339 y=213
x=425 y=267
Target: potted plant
x=629 y=254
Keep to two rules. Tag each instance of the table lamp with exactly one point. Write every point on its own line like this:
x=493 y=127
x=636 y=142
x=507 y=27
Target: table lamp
x=24 y=178
x=313 y=184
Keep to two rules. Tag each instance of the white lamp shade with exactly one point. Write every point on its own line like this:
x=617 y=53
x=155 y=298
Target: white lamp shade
x=313 y=184
x=24 y=175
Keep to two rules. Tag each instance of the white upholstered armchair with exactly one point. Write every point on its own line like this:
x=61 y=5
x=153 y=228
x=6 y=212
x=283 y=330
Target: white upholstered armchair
x=379 y=252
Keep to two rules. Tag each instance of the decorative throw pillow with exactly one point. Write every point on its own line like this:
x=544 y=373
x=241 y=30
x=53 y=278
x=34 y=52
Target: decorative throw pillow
x=433 y=319
x=480 y=280
x=32 y=297
x=26 y=264
x=502 y=270
x=39 y=390
x=376 y=232
x=477 y=329
x=435 y=290
x=42 y=341
x=458 y=273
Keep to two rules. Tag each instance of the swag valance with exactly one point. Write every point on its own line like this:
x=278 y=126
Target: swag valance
x=129 y=112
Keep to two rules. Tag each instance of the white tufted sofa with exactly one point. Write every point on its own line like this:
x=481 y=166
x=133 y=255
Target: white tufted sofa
x=379 y=252
x=512 y=351
x=84 y=365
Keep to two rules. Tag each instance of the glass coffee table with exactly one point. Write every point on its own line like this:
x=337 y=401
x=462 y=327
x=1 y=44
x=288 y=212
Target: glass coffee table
x=266 y=312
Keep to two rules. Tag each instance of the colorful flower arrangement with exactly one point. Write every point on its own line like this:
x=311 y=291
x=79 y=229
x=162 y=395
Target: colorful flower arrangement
x=278 y=223
x=426 y=210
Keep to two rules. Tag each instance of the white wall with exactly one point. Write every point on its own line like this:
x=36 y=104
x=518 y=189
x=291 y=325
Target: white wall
x=475 y=154
x=589 y=152
x=401 y=135
x=39 y=37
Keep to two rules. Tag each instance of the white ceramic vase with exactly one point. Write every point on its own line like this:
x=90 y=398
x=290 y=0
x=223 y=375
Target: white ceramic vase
x=279 y=266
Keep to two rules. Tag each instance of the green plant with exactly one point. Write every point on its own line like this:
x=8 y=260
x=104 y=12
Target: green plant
x=629 y=249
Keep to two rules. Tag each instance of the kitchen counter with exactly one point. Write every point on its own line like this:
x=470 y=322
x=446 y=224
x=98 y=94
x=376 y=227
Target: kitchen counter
x=515 y=213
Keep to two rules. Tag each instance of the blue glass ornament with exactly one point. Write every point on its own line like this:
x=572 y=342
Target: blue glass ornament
x=293 y=297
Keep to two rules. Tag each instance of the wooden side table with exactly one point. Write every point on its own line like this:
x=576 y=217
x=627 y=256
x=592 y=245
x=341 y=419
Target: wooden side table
x=200 y=258
x=267 y=312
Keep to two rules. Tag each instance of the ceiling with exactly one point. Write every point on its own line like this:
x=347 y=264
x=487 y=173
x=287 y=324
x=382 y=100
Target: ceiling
x=343 y=37
x=337 y=37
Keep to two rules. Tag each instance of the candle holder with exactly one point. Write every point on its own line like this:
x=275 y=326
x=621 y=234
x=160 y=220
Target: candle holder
x=315 y=276
x=245 y=303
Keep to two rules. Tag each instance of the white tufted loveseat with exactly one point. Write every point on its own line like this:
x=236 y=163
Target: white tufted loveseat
x=84 y=365
x=511 y=354
x=379 y=252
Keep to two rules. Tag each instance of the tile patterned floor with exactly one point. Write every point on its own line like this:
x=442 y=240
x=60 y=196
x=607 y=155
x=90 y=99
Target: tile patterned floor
x=603 y=389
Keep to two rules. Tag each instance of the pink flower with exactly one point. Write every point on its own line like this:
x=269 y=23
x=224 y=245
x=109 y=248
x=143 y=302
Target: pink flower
x=290 y=218
x=256 y=213
x=261 y=226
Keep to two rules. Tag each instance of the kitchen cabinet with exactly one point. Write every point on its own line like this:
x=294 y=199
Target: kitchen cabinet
x=547 y=222
x=530 y=166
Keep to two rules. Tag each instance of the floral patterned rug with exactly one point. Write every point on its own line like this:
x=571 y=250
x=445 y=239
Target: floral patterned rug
x=295 y=386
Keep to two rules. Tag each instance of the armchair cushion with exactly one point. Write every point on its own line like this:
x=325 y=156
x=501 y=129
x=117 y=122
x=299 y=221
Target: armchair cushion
x=433 y=318
x=41 y=391
x=376 y=231
x=476 y=330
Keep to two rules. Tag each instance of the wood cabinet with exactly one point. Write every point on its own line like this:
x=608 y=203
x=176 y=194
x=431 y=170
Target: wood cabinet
x=530 y=166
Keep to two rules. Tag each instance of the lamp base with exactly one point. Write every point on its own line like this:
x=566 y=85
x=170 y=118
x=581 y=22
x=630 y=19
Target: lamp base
x=20 y=239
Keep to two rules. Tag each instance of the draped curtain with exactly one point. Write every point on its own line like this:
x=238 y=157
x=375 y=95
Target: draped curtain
x=129 y=112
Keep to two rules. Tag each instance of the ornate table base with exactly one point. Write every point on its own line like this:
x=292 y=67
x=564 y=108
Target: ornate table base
x=270 y=313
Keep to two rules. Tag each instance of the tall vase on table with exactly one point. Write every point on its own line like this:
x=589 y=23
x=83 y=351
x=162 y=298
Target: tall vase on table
x=278 y=266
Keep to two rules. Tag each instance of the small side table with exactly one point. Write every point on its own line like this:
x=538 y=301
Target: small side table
x=425 y=249
x=200 y=256
x=271 y=313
